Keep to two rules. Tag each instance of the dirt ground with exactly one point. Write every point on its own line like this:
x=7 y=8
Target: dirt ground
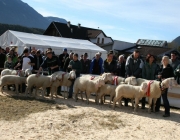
x=25 y=118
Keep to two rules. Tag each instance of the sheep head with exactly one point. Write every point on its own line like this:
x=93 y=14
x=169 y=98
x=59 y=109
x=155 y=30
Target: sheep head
x=27 y=72
x=169 y=82
x=107 y=77
x=144 y=87
x=131 y=80
x=99 y=82
x=72 y=75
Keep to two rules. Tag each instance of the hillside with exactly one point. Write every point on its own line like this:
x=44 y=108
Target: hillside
x=16 y=12
x=5 y=27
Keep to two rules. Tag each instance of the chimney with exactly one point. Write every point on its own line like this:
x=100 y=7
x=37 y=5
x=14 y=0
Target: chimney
x=79 y=25
x=69 y=24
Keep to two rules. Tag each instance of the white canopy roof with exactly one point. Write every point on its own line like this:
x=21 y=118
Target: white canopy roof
x=43 y=42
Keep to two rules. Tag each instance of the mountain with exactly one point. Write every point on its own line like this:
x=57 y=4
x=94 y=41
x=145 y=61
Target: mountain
x=56 y=19
x=16 y=12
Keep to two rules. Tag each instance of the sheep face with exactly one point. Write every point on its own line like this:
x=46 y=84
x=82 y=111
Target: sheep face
x=131 y=81
x=100 y=82
x=107 y=77
x=144 y=87
x=72 y=75
x=27 y=72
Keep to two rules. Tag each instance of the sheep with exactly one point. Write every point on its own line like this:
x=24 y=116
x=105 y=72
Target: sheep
x=12 y=79
x=12 y=72
x=27 y=72
x=106 y=89
x=65 y=80
x=155 y=90
x=38 y=82
x=89 y=86
x=107 y=76
x=130 y=91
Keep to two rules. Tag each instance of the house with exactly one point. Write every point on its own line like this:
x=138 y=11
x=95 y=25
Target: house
x=96 y=36
x=118 y=46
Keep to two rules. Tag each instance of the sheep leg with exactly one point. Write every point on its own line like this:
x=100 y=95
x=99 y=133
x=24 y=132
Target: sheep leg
x=16 y=85
x=136 y=104
x=154 y=104
x=150 y=103
x=76 y=94
x=81 y=96
x=114 y=102
x=119 y=103
x=111 y=98
x=132 y=101
x=2 y=89
x=88 y=94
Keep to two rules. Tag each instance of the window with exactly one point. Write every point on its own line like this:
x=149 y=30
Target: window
x=102 y=40
x=98 y=40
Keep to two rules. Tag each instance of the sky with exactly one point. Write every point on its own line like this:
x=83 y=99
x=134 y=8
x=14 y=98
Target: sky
x=125 y=20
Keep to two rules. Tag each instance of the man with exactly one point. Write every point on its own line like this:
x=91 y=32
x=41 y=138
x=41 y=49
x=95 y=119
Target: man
x=38 y=60
x=174 y=59
x=85 y=64
x=68 y=59
x=96 y=66
x=62 y=58
x=134 y=67
x=7 y=50
x=120 y=71
x=2 y=58
x=27 y=62
x=75 y=65
x=110 y=64
x=51 y=63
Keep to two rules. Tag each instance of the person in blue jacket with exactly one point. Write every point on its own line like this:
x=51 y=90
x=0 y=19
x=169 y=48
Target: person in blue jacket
x=96 y=66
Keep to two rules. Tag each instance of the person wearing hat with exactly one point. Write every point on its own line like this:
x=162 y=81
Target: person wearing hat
x=62 y=58
x=38 y=60
x=51 y=63
x=134 y=65
x=85 y=62
x=2 y=58
x=96 y=66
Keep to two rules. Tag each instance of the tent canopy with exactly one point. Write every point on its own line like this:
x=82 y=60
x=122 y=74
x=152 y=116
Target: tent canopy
x=43 y=42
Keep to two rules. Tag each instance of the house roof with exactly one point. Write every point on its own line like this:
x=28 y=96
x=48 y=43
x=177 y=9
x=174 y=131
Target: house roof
x=156 y=51
x=73 y=31
x=147 y=42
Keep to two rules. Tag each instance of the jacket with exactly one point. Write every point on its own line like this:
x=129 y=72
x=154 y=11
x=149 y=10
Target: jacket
x=100 y=62
x=166 y=72
x=76 y=65
x=134 y=67
x=149 y=72
x=110 y=67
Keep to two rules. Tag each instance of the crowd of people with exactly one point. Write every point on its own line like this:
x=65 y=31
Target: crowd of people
x=134 y=65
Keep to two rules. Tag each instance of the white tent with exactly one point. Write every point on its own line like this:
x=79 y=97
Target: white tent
x=43 y=42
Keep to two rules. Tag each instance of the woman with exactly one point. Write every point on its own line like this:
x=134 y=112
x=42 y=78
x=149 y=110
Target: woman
x=121 y=66
x=110 y=64
x=18 y=67
x=166 y=71
x=149 y=72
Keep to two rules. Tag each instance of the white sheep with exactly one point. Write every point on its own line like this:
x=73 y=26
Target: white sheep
x=65 y=80
x=83 y=84
x=155 y=90
x=106 y=89
x=131 y=92
x=10 y=80
x=39 y=82
x=12 y=72
x=27 y=72
x=117 y=80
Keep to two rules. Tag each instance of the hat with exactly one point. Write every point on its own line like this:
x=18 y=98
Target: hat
x=64 y=50
x=85 y=54
x=48 y=51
